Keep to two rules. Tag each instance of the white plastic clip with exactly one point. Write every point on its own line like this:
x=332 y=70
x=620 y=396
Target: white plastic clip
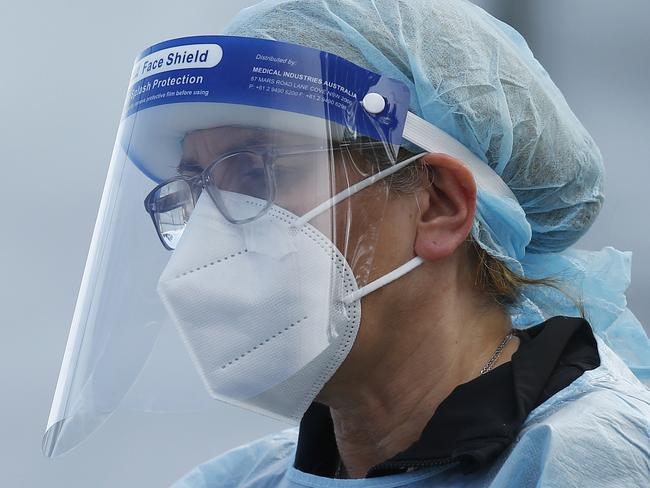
x=374 y=103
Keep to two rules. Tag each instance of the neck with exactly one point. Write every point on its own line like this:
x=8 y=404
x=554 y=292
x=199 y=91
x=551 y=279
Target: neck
x=383 y=395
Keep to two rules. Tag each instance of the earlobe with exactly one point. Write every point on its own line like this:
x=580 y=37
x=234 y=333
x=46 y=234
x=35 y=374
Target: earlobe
x=447 y=208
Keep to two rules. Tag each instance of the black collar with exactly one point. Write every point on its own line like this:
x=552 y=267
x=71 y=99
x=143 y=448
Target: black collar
x=479 y=419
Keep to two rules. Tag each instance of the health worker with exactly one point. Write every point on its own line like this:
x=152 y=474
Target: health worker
x=359 y=217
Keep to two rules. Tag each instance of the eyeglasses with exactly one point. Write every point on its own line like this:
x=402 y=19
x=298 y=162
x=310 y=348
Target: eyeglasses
x=250 y=172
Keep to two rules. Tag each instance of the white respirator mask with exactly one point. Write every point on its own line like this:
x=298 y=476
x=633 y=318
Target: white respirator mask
x=268 y=309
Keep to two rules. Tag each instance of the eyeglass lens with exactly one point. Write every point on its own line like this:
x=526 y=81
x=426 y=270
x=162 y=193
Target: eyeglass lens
x=242 y=173
x=172 y=205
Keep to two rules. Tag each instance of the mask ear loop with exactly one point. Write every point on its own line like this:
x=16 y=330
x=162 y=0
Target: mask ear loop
x=348 y=192
x=398 y=272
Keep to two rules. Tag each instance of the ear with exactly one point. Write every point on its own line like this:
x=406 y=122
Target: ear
x=447 y=207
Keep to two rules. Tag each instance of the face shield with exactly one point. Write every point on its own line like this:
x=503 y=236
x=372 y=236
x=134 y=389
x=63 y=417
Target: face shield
x=236 y=233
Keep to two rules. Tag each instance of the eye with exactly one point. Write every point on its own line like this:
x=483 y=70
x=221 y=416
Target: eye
x=254 y=173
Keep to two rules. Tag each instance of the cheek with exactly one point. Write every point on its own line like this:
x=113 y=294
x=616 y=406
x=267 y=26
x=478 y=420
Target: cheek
x=375 y=232
x=395 y=235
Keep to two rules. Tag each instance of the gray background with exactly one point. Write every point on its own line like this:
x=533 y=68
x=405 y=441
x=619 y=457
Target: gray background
x=64 y=68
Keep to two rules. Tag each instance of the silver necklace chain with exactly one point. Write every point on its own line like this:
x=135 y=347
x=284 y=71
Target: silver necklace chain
x=497 y=353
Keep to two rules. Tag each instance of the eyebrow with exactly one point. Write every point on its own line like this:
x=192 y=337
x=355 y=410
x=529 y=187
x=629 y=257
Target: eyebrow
x=188 y=166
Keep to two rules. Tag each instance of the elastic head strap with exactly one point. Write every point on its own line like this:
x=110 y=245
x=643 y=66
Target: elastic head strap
x=431 y=138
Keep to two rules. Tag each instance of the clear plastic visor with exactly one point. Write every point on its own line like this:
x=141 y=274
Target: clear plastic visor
x=124 y=349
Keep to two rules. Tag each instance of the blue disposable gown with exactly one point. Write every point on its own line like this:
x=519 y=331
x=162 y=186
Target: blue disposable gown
x=595 y=432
